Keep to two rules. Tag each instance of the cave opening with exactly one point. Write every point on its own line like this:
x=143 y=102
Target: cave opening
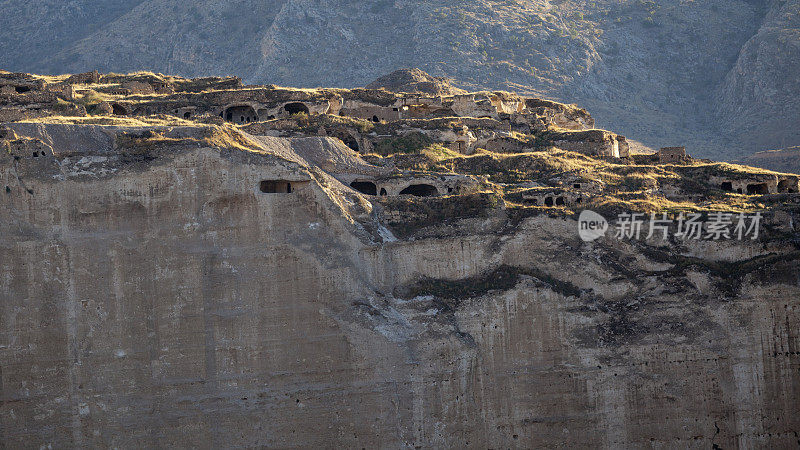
x=420 y=190
x=351 y=142
x=757 y=189
x=295 y=108
x=118 y=110
x=365 y=187
x=240 y=114
x=276 y=187
x=786 y=186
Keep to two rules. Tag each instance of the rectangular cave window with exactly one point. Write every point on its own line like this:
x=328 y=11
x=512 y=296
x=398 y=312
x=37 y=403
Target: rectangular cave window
x=276 y=187
x=757 y=189
x=420 y=190
x=789 y=186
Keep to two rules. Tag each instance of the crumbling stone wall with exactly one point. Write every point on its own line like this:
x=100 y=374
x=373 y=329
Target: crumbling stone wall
x=672 y=155
x=138 y=87
x=506 y=145
x=592 y=142
x=364 y=110
x=92 y=77
x=21 y=83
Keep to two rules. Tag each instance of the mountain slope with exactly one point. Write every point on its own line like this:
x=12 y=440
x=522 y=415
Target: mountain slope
x=663 y=72
x=31 y=32
x=783 y=160
x=757 y=102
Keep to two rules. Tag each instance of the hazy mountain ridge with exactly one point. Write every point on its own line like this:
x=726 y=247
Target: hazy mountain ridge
x=786 y=160
x=758 y=99
x=32 y=32
x=712 y=75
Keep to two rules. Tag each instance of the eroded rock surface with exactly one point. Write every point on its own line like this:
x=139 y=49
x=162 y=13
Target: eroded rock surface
x=156 y=296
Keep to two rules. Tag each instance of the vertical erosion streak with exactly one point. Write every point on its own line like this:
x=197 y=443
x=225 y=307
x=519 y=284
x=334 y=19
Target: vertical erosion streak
x=209 y=288
x=2 y=400
x=73 y=354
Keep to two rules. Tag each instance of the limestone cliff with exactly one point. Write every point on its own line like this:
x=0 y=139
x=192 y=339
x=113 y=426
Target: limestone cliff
x=197 y=263
x=153 y=294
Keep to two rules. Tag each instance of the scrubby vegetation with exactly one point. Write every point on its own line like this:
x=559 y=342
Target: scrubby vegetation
x=411 y=143
x=156 y=139
x=525 y=173
x=450 y=293
x=405 y=215
x=621 y=185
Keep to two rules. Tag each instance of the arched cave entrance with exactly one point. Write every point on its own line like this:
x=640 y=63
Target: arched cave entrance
x=295 y=108
x=727 y=186
x=420 y=190
x=350 y=141
x=118 y=110
x=548 y=201
x=240 y=114
x=365 y=187
x=560 y=201
x=757 y=189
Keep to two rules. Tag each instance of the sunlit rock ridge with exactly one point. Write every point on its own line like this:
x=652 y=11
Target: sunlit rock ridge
x=203 y=263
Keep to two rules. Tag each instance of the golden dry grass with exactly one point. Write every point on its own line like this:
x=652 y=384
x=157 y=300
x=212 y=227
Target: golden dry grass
x=121 y=121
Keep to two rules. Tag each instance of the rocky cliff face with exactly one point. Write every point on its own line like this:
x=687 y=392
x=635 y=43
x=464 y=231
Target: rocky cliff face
x=155 y=291
x=754 y=101
x=668 y=72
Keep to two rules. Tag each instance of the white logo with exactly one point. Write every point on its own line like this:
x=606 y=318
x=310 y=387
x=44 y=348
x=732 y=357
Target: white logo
x=591 y=226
